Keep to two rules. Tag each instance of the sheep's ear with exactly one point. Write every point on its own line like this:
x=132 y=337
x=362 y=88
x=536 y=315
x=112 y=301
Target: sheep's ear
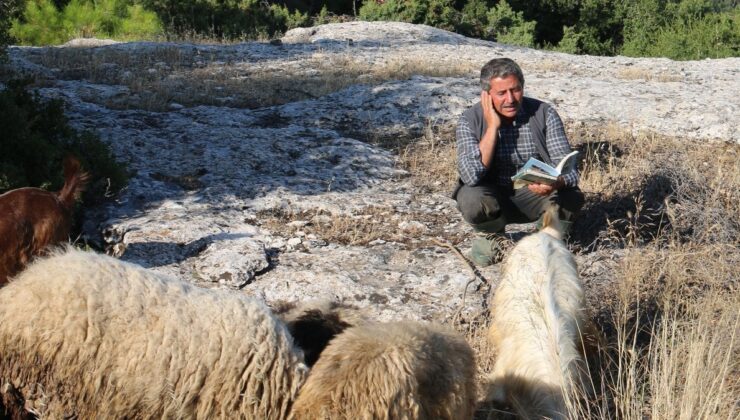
x=551 y=222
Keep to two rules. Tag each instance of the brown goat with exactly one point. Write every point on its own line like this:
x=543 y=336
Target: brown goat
x=31 y=219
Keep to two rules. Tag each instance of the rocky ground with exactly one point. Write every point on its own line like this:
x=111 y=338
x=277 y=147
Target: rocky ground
x=268 y=167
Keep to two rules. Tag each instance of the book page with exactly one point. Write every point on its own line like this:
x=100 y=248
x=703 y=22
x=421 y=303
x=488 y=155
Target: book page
x=538 y=165
x=568 y=163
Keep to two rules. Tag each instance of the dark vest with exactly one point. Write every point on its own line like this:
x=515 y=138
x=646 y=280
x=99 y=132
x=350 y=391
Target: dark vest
x=536 y=112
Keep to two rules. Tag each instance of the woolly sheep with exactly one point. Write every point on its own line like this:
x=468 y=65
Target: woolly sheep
x=401 y=370
x=314 y=323
x=109 y=339
x=538 y=315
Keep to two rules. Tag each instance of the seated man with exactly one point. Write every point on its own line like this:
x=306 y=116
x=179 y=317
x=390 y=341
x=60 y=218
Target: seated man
x=495 y=138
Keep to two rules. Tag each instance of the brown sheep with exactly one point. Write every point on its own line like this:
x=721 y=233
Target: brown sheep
x=400 y=370
x=33 y=219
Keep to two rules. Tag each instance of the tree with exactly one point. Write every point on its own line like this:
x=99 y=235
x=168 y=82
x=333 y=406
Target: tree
x=43 y=24
x=437 y=13
x=509 y=27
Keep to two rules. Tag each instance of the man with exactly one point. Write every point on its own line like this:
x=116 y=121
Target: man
x=495 y=138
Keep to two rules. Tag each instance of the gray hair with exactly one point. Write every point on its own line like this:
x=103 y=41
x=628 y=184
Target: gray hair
x=499 y=67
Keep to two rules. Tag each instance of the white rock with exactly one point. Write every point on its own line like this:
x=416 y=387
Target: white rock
x=231 y=263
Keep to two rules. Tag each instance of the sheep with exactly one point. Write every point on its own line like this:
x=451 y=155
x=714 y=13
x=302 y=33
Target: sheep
x=33 y=219
x=109 y=339
x=537 y=319
x=399 y=370
x=314 y=323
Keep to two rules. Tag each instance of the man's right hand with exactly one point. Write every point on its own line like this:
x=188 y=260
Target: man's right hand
x=490 y=114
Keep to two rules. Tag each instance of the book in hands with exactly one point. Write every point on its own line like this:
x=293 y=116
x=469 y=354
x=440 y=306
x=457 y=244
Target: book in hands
x=537 y=172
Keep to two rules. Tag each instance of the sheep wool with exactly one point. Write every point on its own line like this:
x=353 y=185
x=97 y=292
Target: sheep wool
x=109 y=339
x=401 y=370
x=538 y=311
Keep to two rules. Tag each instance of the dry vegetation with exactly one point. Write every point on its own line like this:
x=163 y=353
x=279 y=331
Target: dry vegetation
x=648 y=74
x=159 y=75
x=670 y=323
x=670 y=326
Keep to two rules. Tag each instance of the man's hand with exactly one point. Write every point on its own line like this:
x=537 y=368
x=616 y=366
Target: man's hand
x=544 y=189
x=489 y=114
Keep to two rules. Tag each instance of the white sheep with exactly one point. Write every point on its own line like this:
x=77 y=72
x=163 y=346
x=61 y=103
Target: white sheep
x=401 y=370
x=538 y=317
x=108 y=339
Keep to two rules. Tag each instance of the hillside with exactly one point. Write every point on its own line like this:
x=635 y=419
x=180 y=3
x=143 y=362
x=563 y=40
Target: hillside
x=320 y=165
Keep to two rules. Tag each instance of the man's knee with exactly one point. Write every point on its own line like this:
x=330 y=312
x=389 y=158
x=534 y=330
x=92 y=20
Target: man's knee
x=477 y=205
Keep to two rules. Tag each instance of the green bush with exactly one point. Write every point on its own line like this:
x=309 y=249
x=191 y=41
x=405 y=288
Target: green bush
x=43 y=24
x=229 y=19
x=681 y=30
x=474 y=18
x=570 y=41
x=8 y=9
x=438 y=13
x=36 y=137
x=509 y=27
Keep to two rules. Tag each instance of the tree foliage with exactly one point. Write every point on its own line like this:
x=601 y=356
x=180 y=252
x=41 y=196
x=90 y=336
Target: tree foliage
x=36 y=137
x=680 y=29
x=509 y=26
x=439 y=13
x=43 y=23
x=230 y=19
x=8 y=9
x=683 y=30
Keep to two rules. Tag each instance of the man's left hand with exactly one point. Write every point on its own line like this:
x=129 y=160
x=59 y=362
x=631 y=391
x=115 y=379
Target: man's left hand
x=544 y=189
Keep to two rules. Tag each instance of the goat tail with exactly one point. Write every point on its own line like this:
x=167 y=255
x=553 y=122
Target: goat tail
x=551 y=222
x=75 y=181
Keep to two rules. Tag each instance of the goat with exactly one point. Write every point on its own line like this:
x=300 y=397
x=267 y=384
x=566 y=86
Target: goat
x=538 y=319
x=33 y=219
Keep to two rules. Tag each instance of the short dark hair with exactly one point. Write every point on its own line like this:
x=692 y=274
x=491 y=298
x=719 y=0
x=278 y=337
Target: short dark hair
x=499 y=67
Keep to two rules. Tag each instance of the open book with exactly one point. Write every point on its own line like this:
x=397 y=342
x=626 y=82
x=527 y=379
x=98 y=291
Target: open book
x=538 y=172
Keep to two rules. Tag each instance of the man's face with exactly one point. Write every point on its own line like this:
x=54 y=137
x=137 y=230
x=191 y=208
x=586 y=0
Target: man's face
x=506 y=94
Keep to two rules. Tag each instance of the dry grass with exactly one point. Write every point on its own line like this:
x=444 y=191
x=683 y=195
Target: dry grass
x=674 y=347
x=432 y=159
x=159 y=75
x=671 y=320
x=361 y=227
x=648 y=74
x=643 y=187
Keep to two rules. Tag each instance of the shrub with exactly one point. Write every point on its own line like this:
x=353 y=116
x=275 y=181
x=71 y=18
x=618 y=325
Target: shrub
x=8 y=8
x=474 y=18
x=598 y=30
x=681 y=30
x=229 y=19
x=509 y=27
x=570 y=41
x=43 y=24
x=37 y=136
x=437 y=13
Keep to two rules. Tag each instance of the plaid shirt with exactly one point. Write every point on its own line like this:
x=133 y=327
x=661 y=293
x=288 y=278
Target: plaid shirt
x=514 y=146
